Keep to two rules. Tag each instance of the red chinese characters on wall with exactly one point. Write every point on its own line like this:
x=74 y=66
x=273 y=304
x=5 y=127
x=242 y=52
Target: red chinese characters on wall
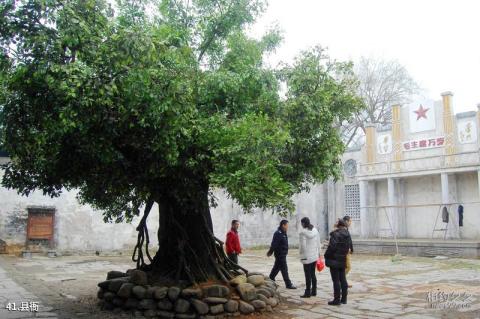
x=424 y=143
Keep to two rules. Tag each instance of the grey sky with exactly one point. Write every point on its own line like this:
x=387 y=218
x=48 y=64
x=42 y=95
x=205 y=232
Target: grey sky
x=437 y=41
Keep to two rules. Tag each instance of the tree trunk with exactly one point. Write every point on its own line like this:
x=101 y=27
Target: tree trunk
x=188 y=250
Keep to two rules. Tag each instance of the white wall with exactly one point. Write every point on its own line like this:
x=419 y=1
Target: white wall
x=468 y=195
x=77 y=227
x=257 y=228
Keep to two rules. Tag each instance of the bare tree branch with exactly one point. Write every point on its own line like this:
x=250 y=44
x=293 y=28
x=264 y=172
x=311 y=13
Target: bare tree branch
x=382 y=84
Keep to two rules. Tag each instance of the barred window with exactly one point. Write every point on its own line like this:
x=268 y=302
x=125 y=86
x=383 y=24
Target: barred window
x=352 y=201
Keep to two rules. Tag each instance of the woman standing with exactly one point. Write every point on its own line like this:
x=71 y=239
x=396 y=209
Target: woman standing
x=335 y=258
x=309 y=252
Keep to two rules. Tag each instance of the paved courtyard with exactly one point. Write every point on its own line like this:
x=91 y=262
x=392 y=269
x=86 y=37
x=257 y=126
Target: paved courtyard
x=411 y=288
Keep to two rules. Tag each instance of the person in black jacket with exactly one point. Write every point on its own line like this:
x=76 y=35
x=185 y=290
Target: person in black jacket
x=335 y=259
x=279 y=248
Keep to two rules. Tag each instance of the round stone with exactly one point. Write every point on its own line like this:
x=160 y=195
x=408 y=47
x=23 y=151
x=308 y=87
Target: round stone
x=245 y=308
x=200 y=306
x=115 y=274
x=160 y=292
x=273 y=301
x=264 y=291
x=256 y=280
x=238 y=280
x=215 y=300
x=131 y=303
x=258 y=304
x=269 y=282
x=125 y=290
x=150 y=313
x=147 y=304
x=118 y=302
x=165 y=314
x=104 y=284
x=182 y=306
x=165 y=304
x=231 y=306
x=185 y=316
x=100 y=293
x=173 y=293
x=216 y=309
x=263 y=298
x=192 y=293
x=150 y=291
x=216 y=291
x=138 y=277
x=108 y=296
x=254 y=273
x=116 y=283
x=139 y=292
x=247 y=291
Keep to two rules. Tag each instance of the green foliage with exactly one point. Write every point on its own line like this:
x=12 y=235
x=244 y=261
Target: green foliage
x=140 y=105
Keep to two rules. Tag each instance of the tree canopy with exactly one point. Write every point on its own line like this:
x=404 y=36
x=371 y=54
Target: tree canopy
x=145 y=100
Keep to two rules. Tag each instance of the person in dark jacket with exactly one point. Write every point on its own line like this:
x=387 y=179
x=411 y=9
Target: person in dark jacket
x=335 y=259
x=279 y=248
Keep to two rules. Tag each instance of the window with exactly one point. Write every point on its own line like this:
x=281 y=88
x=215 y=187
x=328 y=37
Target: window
x=352 y=201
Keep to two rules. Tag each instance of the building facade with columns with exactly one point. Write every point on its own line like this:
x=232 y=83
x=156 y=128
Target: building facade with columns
x=412 y=188
x=417 y=178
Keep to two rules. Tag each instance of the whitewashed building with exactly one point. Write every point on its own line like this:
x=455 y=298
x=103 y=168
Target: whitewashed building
x=399 y=188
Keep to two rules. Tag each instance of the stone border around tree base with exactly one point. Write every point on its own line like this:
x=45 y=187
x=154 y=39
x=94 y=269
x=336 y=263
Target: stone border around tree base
x=130 y=291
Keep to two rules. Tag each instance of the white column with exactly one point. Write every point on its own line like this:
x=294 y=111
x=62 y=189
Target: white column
x=444 y=180
x=332 y=210
x=372 y=212
x=478 y=175
x=364 y=220
x=402 y=221
x=392 y=211
x=452 y=226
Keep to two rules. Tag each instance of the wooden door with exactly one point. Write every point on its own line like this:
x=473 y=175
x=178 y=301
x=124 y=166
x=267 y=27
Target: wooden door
x=40 y=225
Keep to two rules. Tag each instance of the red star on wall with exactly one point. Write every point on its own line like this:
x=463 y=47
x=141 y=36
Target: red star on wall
x=421 y=112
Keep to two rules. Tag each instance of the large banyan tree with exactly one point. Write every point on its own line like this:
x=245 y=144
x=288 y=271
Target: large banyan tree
x=142 y=102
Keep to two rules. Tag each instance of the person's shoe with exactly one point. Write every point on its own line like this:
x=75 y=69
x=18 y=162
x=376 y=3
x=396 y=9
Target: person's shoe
x=291 y=287
x=314 y=292
x=334 y=302
x=306 y=294
x=344 y=300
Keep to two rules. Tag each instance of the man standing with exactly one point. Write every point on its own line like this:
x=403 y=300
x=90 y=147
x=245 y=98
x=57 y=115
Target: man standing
x=233 y=242
x=279 y=248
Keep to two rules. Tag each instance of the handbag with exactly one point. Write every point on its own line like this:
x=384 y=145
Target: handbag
x=320 y=264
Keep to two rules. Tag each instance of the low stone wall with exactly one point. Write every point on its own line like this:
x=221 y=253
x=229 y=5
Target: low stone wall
x=130 y=291
x=421 y=248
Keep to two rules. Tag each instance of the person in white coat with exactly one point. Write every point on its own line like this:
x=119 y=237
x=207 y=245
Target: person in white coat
x=309 y=253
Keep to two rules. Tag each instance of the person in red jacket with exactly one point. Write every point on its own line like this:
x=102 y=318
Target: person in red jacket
x=233 y=242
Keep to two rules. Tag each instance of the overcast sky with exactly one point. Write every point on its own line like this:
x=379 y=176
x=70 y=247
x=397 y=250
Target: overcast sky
x=437 y=41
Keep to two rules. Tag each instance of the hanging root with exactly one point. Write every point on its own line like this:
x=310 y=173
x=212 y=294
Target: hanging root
x=188 y=249
x=142 y=236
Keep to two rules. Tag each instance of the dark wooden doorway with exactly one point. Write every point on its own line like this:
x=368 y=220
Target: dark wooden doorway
x=40 y=227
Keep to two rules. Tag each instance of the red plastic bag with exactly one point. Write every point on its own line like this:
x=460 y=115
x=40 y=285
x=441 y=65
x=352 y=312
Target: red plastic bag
x=320 y=264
